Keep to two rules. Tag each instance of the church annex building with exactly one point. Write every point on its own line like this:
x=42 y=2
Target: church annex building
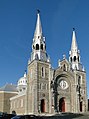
x=44 y=89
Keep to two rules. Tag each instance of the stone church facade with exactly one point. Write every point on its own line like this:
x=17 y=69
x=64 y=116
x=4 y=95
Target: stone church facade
x=54 y=90
x=47 y=90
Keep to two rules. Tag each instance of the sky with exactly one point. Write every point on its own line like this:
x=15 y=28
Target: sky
x=58 y=18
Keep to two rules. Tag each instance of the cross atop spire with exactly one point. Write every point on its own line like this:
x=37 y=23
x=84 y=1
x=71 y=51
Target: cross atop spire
x=73 y=29
x=38 y=11
x=38 y=30
x=74 y=43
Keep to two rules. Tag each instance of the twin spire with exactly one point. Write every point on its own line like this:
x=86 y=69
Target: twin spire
x=38 y=32
x=39 y=46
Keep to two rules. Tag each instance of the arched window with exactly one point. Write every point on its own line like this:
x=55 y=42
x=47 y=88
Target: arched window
x=41 y=46
x=37 y=46
x=64 y=67
x=71 y=59
x=43 y=71
x=79 y=78
x=74 y=58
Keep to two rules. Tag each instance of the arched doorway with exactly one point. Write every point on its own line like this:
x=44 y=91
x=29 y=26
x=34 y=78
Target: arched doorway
x=62 y=105
x=80 y=106
x=42 y=105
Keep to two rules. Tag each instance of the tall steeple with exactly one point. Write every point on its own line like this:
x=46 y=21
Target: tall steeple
x=74 y=46
x=39 y=45
x=74 y=57
x=38 y=30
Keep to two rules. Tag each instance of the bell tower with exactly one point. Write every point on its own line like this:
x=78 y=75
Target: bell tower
x=74 y=53
x=80 y=76
x=39 y=70
x=38 y=45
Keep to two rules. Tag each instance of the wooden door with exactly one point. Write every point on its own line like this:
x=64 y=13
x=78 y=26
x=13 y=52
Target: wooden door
x=62 y=105
x=80 y=106
x=42 y=105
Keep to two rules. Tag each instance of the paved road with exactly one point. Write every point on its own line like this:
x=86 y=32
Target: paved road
x=73 y=116
x=67 y=116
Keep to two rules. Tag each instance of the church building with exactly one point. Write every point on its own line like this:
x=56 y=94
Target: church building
x=47 y=90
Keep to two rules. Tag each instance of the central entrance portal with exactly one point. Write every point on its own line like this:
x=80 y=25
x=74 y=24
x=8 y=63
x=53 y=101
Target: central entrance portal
x=62 y=105
x=42 y=105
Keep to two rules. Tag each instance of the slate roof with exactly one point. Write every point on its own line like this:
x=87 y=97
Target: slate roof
x=9 y=87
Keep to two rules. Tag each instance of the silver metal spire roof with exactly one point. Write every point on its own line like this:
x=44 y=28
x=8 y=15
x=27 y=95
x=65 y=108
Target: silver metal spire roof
x=74 y=43
x=38 y=30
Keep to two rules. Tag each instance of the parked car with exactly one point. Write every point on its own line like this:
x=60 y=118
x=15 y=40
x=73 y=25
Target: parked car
x=24 y=117
x=6 y=116
x=18 y=117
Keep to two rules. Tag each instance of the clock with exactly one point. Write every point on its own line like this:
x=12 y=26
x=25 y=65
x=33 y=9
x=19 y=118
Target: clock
x=42 y=56
x=63 y=84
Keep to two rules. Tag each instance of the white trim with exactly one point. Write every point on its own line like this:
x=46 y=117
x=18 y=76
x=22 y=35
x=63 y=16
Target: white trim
x=17 y=96
x=8 y=92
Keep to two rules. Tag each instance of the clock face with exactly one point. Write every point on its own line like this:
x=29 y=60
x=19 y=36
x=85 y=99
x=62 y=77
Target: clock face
x=42 y=56
x=63 y=84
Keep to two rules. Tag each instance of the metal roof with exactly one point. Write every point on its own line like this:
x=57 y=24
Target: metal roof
x=9 y=87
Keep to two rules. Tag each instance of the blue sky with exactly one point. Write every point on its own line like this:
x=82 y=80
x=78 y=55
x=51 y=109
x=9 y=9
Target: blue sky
x=58 y=17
